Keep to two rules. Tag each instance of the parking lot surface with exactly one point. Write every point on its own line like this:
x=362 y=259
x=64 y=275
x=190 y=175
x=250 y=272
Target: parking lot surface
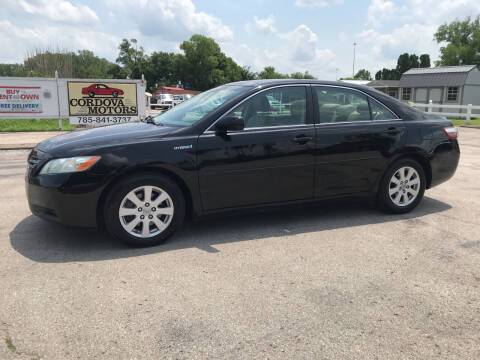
x=330 y=281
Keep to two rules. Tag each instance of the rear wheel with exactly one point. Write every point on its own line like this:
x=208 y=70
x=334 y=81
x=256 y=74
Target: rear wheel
x=402 y=186
x=91 y=93
x=144 y=210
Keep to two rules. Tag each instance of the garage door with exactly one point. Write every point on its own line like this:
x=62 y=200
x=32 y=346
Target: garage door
x=421 y=95
x=436 y=95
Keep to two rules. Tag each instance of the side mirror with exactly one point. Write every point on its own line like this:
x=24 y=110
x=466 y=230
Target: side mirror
x=230 y=123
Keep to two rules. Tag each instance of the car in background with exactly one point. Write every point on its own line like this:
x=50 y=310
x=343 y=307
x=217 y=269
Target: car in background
x=177 y=99
x=228 y=148
x=101 y=89
x=165 y=101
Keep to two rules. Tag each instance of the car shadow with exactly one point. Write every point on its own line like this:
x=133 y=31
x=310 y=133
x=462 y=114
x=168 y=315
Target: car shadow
x=48 y=242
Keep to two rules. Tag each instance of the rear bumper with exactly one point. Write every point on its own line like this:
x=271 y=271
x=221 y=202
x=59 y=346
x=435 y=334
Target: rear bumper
x=444 y=162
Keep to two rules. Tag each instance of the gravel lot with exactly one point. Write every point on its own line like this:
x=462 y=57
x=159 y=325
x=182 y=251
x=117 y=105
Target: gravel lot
x=331 y=281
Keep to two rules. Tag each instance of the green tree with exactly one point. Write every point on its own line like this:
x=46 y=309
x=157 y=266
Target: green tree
x=12 y=70
x=363 y=75
x=199 y=66
x=247 y=74
x=414 y=61
x=204 y=66
x=269 y=72
x=403 y=63
x=83 y=64
x=133 y=58
x=162 y=69
x=462 y=42
x=115 y=71
x=87 y=65
x=44 y=63
x=387 y=74
x=300 y=75
x=425 y=61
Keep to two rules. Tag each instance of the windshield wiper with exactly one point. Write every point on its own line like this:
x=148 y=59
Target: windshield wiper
x=149 y=120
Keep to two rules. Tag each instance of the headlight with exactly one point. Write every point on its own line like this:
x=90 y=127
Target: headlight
x=67 y=165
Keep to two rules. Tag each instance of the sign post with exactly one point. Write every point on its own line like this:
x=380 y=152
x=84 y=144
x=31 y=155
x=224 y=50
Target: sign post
x=60 y=125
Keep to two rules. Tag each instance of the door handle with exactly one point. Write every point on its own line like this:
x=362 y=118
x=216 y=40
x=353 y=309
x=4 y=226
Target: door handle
x=392 y=131
x=302 y=139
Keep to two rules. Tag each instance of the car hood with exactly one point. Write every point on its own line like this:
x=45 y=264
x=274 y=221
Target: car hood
x=81 y=141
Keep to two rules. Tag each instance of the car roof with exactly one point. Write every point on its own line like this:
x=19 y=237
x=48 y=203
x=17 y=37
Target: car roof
x=273 y=82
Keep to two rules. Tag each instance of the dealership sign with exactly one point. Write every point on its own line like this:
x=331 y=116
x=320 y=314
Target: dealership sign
x=20 y=100
x=92 y=102
x=83 y=101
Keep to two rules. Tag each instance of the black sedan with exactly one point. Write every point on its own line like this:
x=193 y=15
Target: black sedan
x=241 y=145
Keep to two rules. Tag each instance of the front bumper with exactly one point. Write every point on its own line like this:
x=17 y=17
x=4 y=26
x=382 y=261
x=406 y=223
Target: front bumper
x=67 y=208
x=70 y=199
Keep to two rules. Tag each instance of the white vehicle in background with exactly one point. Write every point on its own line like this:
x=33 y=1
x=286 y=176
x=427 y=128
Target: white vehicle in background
x=177 y=99
x=165 y=101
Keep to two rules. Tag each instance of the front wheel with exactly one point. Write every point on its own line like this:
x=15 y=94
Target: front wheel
x=402 y=186
x=144 y=210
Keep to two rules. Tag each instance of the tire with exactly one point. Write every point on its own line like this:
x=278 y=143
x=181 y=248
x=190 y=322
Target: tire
x=115 y=93
x=163 y=219
x=91 y=94
x=393 y=187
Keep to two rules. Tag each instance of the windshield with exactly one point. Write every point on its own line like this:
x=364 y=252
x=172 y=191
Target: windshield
x=189 y=112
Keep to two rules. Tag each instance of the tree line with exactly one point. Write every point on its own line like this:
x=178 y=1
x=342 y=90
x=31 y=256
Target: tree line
x=202 y=65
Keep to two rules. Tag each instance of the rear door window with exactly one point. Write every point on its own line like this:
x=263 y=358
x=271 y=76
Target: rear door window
x=336 y=104
x=380 y=112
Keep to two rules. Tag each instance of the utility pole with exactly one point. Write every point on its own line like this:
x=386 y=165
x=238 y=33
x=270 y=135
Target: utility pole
x=353 y=73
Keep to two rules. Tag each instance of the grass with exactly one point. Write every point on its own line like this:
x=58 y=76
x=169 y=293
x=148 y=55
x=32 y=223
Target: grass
x=14 y=125
x=10 y=345
x=460 y=122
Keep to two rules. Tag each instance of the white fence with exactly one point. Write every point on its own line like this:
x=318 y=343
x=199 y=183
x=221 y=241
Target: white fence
x=430 y=106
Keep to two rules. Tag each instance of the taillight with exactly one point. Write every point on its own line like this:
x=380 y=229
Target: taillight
x=451 y=132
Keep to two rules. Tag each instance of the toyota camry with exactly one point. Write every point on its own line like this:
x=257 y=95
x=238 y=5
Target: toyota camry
x=241 y=145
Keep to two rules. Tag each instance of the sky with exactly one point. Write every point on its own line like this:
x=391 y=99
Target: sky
x=292 y=35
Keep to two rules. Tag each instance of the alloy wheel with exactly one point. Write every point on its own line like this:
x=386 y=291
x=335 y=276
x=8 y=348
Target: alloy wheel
x=146 y=211
x=404 y=186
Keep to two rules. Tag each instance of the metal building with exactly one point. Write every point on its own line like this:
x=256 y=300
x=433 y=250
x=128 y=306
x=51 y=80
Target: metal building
x=389 y=87
x=442 y=84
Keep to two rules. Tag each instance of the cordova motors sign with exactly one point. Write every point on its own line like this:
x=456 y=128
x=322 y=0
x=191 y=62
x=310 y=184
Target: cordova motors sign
x=94 y=102
x=101 y=103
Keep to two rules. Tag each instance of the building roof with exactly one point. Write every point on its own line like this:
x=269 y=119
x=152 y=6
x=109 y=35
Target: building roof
x=441 y=70
x=437 y=76
x=384 y=83
x=170 y=88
